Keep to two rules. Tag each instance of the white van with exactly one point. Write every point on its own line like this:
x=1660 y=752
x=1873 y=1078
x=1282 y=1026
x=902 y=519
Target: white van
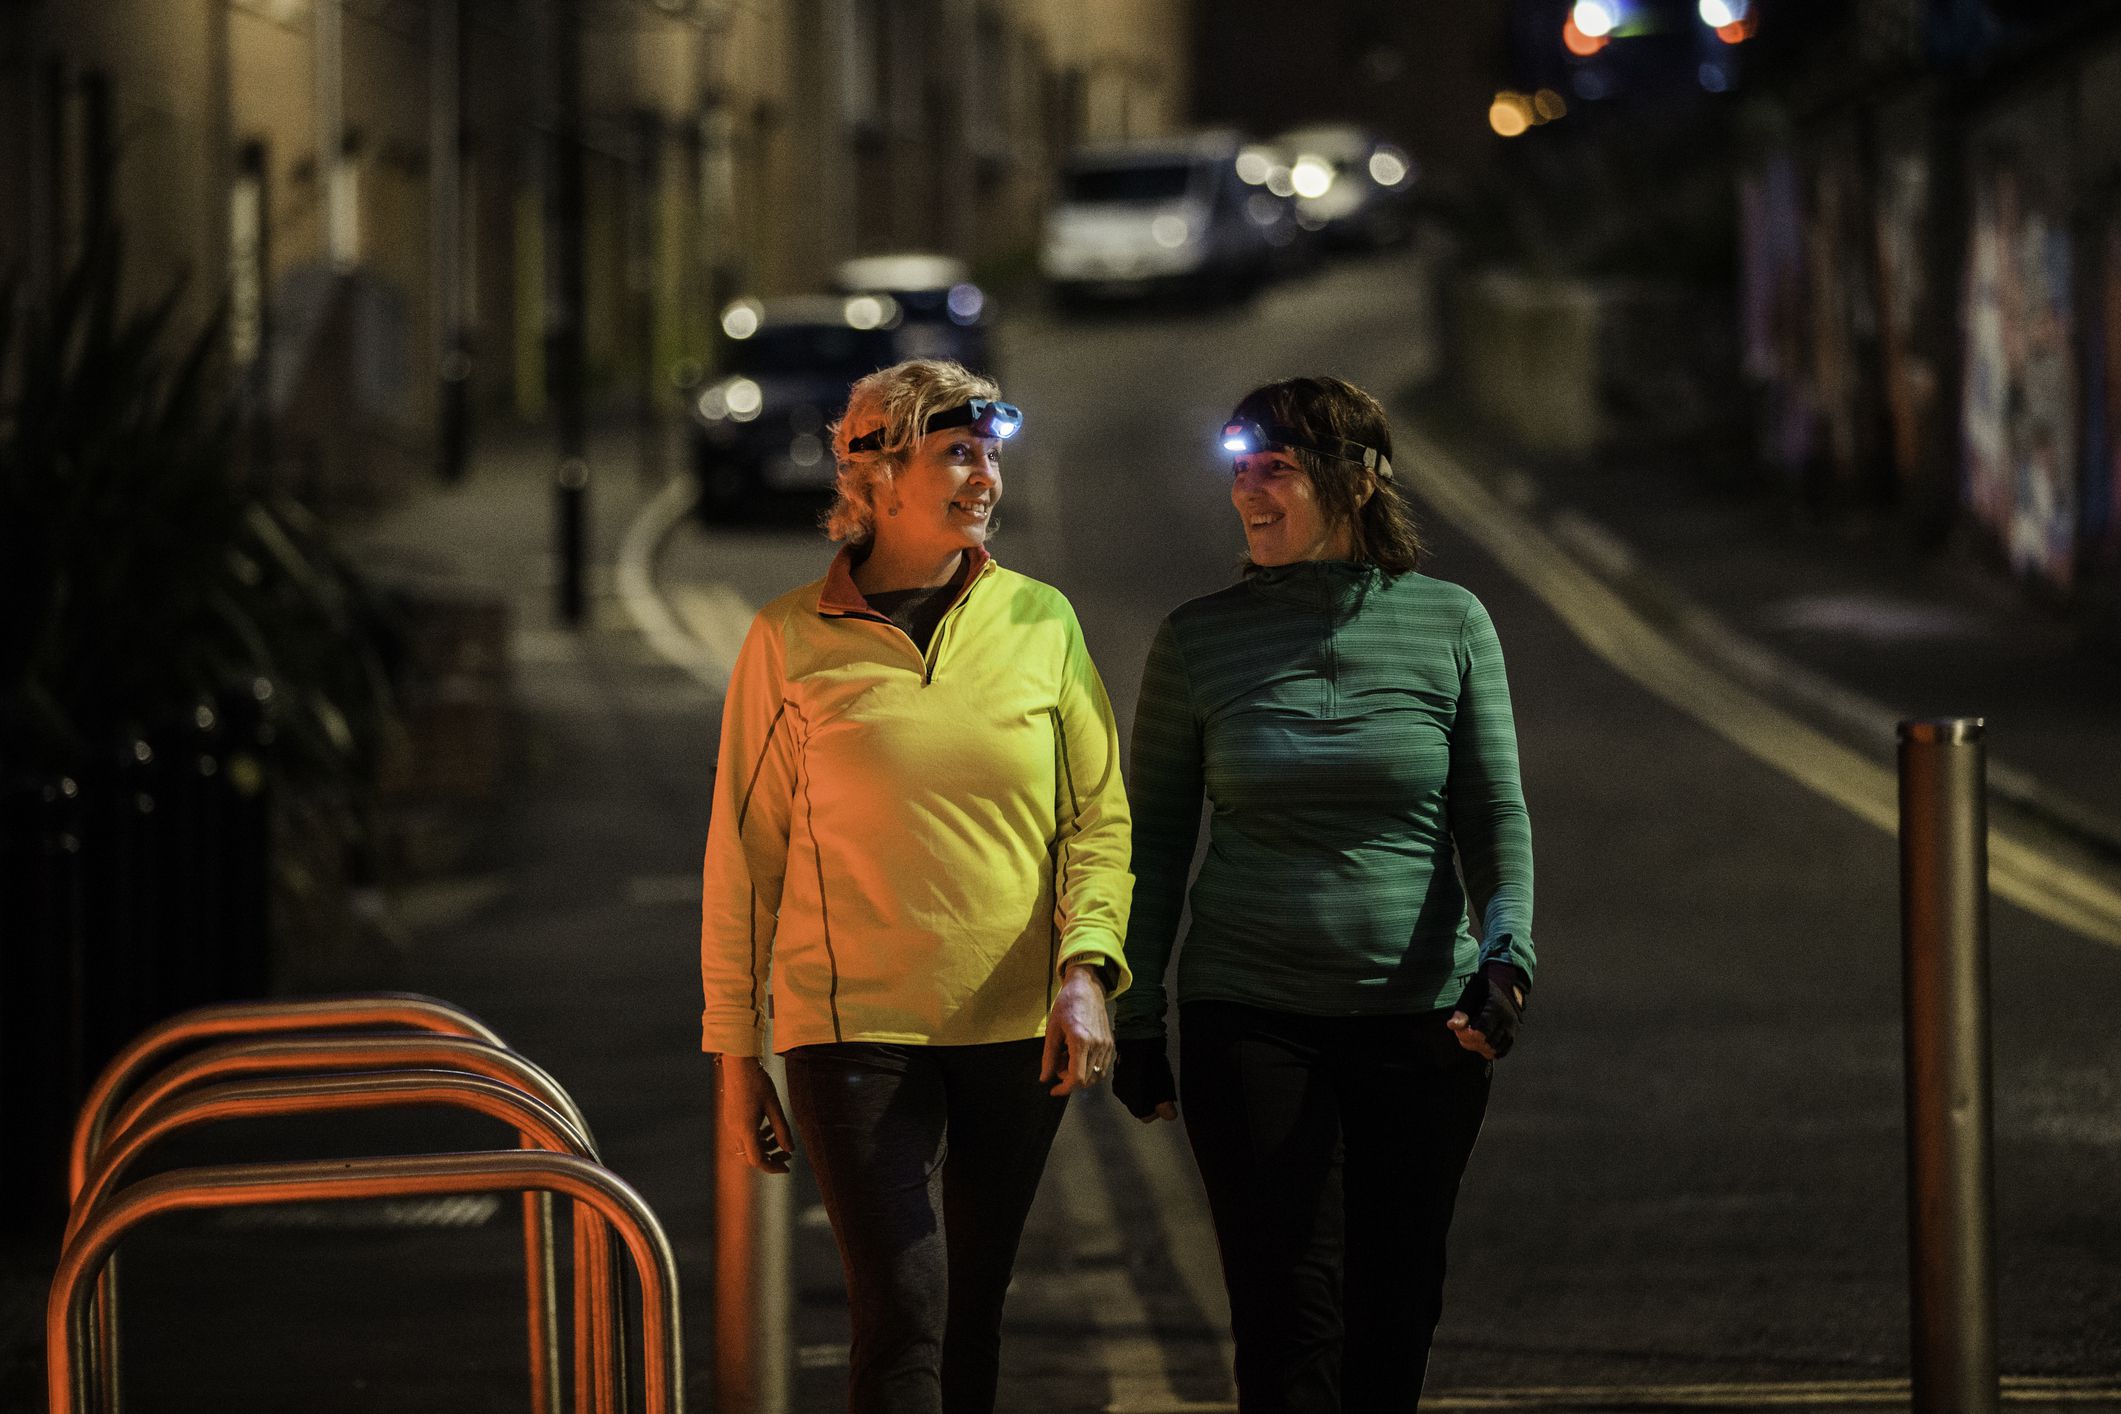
x=1169 y=214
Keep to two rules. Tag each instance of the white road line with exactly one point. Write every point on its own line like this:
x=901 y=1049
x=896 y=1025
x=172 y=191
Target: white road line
x=636 y=586
x=1173 y=1182
x=1764 y=1395
x=2018 y=869
x=657 y=890
x=1788 y=1394
x=1127 y=1350
x=716 y=617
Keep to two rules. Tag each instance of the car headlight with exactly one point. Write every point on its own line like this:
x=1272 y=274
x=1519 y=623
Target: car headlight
x=731 y=400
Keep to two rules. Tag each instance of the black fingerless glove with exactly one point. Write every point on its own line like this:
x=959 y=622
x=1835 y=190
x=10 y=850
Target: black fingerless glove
x=1491 y=1005
x=1143 y=1080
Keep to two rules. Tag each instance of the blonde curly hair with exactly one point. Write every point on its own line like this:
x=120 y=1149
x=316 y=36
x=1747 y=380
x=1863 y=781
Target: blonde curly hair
x=898 y=399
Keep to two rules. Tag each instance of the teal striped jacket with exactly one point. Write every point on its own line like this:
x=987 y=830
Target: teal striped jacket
x=1349 y=730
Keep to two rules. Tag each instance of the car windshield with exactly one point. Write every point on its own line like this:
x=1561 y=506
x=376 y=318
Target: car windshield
x=1157 y=181
x=821 y=350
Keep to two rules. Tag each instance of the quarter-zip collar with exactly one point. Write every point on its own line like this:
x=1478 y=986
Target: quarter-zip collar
x=839 y=596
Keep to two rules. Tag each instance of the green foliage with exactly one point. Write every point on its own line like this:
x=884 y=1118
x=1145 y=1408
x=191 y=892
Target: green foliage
x=141 y=577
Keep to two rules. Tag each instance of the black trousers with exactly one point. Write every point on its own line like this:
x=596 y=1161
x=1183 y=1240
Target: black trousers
x=928 y=1158
x=1331 y=1149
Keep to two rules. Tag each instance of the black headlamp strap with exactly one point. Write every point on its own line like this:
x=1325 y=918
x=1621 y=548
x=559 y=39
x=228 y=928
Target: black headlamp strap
x=1004 y=419
x=1281 y=435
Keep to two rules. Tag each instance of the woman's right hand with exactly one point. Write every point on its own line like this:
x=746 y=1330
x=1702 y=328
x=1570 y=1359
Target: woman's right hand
x=752 y=1122
x=1142 y=1080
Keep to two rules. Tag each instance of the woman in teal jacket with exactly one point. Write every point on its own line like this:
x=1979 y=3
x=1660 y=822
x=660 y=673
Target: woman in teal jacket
x=1339 y=1014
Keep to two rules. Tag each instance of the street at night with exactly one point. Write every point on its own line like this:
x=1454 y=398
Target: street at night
x=415 y=414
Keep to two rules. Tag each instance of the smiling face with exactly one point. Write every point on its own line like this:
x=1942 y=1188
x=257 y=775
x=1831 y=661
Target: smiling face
x=1284 y=521
x=944 y=496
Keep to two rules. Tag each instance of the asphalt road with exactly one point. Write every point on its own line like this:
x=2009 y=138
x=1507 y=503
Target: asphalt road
x=1690 y=1188
x=1692 y=1170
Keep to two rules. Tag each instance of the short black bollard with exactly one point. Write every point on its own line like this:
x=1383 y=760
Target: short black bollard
x=1944 y=950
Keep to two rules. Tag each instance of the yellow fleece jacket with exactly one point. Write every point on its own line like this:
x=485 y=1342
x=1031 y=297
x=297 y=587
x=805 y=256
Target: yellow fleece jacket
x=910 y=847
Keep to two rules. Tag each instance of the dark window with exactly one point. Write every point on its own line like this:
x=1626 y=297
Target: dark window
x=814 y=349
x=1161 y=181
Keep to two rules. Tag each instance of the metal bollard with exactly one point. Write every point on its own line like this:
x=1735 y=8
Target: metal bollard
x=1944 y=949
x=754 y=1296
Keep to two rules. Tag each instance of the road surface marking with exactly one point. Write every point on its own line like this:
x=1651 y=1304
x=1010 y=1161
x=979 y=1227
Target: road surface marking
x=2018 y=870
x=1781 y=1394
x=1127 y=1349
x=716 y=617
x=1166 y=1166
x=636 y=585
x=657 y=890
x=1797 y=1393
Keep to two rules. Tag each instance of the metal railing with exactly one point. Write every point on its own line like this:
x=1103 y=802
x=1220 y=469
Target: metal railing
x=538 y=1125
x=602 y=1193
x=367 y=1052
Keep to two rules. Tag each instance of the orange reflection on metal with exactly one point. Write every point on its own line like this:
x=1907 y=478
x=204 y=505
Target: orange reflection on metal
x=401 y=1011
x=524 y=1171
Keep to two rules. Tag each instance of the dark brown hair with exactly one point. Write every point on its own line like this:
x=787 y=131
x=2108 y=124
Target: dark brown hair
x=1329 y=410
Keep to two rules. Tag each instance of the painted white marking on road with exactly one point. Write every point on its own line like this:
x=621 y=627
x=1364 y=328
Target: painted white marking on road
x=1127 y=1350
x=1780 y=1394
x=2018 y=870
x=2017 y=1389
x=1182 y=1212
x=1606 y=552
x=543 y=645
x=636 y=585
x=656 y=890
x=717 y=618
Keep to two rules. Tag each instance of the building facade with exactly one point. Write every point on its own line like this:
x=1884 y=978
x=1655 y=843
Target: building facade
x=370 y=189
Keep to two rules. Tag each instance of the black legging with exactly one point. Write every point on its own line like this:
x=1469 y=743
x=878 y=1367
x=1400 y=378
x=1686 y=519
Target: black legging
x=1331 y=1149
x=928 y=1158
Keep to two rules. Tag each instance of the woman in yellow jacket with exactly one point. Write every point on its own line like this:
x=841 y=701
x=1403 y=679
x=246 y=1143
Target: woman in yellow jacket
x=917 y=868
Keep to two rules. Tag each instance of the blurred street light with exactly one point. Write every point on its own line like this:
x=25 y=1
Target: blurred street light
x=1595 y=19
x=1511 y=114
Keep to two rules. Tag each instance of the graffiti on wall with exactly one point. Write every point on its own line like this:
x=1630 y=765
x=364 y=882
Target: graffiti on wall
x=2019 y=403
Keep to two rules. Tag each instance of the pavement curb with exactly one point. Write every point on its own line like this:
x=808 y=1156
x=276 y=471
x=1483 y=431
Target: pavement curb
x=1851 y=717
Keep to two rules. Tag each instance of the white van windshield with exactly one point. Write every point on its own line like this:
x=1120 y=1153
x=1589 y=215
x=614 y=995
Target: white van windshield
x=1160 y=181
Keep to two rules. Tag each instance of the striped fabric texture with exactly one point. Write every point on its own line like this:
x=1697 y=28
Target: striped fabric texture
x=1349 y=730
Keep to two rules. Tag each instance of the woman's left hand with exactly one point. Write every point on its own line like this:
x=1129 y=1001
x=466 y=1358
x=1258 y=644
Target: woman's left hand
x=1079 y=1048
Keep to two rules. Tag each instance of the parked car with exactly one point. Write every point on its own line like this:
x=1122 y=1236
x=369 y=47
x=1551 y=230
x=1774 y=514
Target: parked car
x=1352 y=188
x=1165 y=215
x=786 y=367
x=944 y=314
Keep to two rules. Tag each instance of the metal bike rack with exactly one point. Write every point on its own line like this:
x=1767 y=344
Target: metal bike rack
x=538 y=1124
x=527 y=1171
x=399 y=1011
x=357 y=1051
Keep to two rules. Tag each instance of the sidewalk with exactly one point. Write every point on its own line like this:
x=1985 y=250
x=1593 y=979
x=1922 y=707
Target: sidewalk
x=557 y=915
x=1844 y=622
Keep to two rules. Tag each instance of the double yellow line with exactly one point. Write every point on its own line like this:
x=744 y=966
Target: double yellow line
x=2019 y=869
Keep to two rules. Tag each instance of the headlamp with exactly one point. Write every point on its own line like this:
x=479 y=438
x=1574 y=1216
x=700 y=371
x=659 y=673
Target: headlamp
x=987 y=417
x=1242 y=435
